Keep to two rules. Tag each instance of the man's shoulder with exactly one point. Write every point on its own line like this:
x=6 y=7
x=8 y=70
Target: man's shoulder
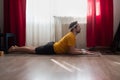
x=69 y=35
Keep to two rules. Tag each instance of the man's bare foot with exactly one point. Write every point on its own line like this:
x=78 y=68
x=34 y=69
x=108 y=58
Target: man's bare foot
x=11 y=49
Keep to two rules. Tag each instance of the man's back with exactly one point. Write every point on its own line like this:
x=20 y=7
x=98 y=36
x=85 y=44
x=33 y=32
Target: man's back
x=62 y=46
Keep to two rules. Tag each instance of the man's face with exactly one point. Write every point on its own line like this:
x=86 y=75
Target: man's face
x=78 y=29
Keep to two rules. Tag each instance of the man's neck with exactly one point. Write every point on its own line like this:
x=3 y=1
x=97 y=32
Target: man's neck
x=74 y=33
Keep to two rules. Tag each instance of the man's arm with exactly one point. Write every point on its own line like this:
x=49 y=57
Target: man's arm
x=73 y=50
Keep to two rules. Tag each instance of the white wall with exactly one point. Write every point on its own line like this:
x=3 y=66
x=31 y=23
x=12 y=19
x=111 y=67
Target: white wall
x=116 y=14
x=1 y=14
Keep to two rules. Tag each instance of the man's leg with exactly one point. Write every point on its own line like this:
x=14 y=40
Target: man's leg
x=28 y=49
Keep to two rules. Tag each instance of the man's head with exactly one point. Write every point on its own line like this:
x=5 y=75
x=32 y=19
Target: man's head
x=75 y=26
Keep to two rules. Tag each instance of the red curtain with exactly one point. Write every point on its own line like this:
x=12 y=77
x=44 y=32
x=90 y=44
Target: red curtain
x=99 y=23
x=15 y=19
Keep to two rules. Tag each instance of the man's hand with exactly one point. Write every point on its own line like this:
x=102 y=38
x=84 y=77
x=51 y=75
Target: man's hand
x=73 y=50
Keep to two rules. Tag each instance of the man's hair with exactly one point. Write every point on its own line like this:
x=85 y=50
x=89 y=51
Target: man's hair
x=73 y=25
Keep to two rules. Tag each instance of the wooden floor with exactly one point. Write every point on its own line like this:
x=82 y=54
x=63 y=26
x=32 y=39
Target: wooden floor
x=59 y=67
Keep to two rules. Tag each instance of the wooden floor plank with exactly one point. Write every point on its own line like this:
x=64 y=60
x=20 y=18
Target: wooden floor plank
x=59 y=67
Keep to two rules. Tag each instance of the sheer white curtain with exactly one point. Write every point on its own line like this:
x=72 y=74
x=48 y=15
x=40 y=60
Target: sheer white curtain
x=45 y=19
x=39 y=22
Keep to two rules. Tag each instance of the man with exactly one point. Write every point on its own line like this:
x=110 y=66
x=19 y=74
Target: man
x=66 y=45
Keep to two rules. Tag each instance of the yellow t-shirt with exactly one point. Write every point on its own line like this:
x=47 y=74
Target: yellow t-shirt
x=62 y=46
